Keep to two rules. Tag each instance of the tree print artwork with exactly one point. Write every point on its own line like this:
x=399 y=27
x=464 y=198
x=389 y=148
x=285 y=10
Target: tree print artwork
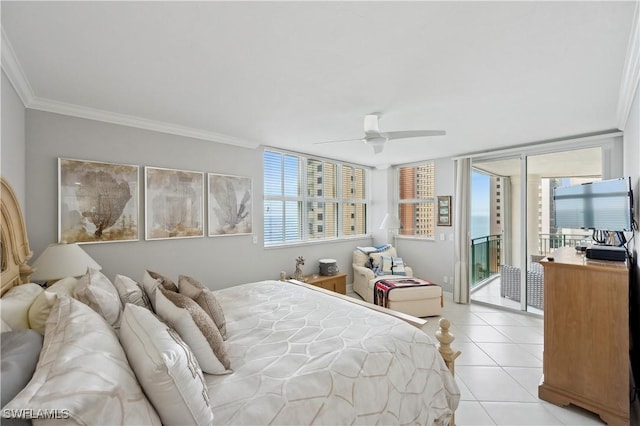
x=98 y=202
x=174 y=203
x=229 y=205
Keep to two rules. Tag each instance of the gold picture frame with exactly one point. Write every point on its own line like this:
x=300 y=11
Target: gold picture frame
x=444 y=210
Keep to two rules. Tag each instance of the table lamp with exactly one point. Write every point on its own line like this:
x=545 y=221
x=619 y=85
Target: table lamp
x=391 y=223
x=60 y=261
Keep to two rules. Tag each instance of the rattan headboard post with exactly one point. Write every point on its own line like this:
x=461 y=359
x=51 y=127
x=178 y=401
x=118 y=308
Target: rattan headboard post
x=14 y=244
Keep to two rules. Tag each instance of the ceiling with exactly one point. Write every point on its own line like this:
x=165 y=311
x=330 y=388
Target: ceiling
x=288 y=74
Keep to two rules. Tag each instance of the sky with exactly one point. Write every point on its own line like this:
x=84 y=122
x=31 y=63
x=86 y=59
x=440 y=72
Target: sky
x=479 y=194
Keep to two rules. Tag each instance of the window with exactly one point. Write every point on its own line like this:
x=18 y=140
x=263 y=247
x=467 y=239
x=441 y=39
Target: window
x=416 y=200
x=309 y=199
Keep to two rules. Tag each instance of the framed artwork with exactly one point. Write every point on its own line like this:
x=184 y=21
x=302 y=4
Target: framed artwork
x=230 y=199
x=97 y=202
x=444 y=210
x=174 y=203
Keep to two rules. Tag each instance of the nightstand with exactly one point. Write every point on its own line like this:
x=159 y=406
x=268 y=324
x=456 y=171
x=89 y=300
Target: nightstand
x=337 y=283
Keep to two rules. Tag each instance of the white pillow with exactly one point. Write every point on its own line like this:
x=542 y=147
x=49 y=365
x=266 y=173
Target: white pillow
x=95 y=290
x=182 y=321
x=5 y=327
x=83 y=372
x=150 y=285
x=41 y=307
x=15 y=304
x=131 y=292
x=166 y=368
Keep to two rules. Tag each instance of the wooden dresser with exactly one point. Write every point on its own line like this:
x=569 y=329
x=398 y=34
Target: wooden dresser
x=586 y=335
x=337 y=283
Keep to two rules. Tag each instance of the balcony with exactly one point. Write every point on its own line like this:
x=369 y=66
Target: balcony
x=486 y=258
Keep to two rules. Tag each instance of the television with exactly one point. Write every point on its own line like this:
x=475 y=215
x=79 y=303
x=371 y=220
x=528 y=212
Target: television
x=602 y=206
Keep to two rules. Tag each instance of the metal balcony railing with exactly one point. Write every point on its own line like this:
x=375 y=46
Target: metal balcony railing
x=486 y=252
x=485 y=257
x=550 y=242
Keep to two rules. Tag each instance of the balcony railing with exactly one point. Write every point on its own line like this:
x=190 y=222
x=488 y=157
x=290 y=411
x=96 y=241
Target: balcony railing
x=486 y=252
x=550 y=242
x=485 y=257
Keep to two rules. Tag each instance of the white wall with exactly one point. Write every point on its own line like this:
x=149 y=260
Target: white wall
x=219 y=262
x=12 y=142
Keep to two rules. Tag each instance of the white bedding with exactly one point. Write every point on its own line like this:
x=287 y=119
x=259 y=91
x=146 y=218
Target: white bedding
x=300 y=356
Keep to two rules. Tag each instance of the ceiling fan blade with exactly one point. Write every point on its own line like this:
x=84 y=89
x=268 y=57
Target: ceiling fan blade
x=341 y=140
x=371 y=125
x=413 y=134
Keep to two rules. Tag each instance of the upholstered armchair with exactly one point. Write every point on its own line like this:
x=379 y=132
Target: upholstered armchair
x=362 y=275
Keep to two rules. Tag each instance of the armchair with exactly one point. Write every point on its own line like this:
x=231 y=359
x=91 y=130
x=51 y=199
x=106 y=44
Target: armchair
x=510 y=284
x=362 y=275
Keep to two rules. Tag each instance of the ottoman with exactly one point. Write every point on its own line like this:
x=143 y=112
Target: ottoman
x=422 y=301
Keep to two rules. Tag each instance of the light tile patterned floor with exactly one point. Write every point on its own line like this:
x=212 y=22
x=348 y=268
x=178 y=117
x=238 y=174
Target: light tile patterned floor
x=500 y=368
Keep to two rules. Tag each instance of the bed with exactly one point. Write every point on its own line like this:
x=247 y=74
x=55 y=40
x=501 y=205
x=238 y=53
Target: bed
x=293 y=354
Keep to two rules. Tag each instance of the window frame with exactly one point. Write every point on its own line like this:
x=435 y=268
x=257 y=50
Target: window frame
x=415 y=201
x=304 y=199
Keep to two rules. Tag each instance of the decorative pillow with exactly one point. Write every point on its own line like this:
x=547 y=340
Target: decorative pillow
x=166 y=368
x=204 y=297
x=386 y=264
x=15 y=304
x=41 y=307
x=20 y=351
x=130 y=291
x=150 y=285
x=202 y=336
x=83 y=372
x=164 y=281
x=397 y=266
x=95 y=290
x=193 y=333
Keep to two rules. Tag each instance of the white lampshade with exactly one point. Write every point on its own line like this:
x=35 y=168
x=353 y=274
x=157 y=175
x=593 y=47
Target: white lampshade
x=62 y=260
x=390 y=221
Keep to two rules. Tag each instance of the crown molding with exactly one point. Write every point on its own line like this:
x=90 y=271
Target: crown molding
x=631 y=72
x=14 y=72
x=73 y=110
x=18 y=78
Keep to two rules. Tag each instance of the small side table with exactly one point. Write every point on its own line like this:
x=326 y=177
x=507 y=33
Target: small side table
x=337 y=283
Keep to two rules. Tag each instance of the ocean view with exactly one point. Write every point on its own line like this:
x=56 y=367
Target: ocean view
x=479 y=226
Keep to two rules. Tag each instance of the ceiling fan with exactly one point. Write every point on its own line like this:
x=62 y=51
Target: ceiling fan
x=374 y=137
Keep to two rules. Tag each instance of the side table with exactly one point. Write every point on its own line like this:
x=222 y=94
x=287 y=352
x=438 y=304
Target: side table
x=337 y=283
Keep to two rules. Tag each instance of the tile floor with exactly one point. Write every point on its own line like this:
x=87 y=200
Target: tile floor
x=500 y=368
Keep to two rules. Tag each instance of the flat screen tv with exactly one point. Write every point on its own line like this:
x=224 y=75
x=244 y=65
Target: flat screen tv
x=604 y=205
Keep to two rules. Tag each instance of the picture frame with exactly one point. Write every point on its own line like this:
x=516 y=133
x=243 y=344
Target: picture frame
x=97 y=201
x=230 y=205
x=174 y=203
x=443 y=210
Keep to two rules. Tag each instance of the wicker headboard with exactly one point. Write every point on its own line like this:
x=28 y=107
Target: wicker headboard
x=14 y=244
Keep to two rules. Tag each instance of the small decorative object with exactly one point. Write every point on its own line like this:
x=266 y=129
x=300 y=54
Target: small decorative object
x=298 y=273
x=444 y=210
x=328 y=267
x=283 y=276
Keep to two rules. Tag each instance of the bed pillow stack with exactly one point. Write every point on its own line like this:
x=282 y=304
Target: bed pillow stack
x=82 y=373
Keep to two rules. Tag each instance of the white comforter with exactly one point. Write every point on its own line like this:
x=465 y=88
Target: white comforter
x=303 y=357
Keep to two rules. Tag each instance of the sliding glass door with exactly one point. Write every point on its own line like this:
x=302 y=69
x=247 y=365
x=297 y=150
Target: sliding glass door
x=513 y=226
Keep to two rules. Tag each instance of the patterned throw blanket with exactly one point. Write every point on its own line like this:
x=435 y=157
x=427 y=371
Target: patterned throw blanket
x=383 y=287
